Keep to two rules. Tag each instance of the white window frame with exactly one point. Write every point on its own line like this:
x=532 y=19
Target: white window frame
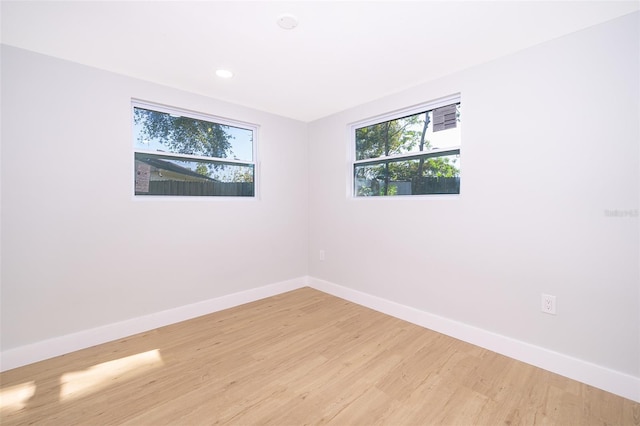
x=137 y=103
x=405 y=112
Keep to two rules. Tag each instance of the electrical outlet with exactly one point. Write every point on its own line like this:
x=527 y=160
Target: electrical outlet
x=548 y=304
x=321 y=256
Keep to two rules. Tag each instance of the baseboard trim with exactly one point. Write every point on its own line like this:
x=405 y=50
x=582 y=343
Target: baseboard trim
x=604 y=378
x=618 y=383
x=50 y=348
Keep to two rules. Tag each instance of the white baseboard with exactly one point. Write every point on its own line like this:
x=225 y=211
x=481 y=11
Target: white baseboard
x=600 y=377
x=609 y=380
x=50 y=348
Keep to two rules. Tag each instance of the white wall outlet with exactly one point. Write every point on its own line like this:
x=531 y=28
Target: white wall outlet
x=321 y=256
x=548 y=304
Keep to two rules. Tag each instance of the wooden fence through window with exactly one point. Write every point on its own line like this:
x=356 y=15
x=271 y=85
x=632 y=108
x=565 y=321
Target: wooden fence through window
x=192 y=188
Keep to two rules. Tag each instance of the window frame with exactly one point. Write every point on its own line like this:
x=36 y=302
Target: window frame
x=166 y=109
x=394 y=115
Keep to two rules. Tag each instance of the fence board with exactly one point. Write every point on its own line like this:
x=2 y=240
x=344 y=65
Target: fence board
x=191 y=188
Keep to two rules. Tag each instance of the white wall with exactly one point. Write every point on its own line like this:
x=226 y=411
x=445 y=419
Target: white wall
x=79 y=252
x=549 y=144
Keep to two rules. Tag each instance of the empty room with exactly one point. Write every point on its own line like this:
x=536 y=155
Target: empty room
x=320 y=212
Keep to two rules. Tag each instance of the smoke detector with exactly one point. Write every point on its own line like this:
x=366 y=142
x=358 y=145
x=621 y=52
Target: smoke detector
x=287 y=22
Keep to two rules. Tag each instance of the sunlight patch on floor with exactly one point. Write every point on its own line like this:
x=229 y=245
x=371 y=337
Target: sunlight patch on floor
x=15 y=398
x=79 y=383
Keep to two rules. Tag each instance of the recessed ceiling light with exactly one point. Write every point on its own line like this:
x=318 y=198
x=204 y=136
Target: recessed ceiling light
x=224 y=73
x=287 y=22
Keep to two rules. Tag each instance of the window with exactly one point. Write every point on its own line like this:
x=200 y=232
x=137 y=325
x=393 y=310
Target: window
x=183 y=153
x=414 y=152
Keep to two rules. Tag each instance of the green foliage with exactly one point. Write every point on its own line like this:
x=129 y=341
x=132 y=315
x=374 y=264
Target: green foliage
x=391 y=190
x=203 y=170
x=388 y=138
x=441 y=167
x=400 y=136
x=244 y=174
x=431 y=167
x=184 y=135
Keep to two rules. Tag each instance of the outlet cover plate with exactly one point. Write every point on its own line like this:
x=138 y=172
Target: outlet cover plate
x=548 y=304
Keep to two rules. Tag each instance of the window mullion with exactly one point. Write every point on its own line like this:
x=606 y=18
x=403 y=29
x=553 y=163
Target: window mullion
x=411 y=155
x=193 y=157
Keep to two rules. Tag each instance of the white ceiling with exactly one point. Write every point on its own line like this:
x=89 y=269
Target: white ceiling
x=341 y=54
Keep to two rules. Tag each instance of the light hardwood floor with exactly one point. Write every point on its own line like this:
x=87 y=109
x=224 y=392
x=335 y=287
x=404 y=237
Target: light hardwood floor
x=299 y=358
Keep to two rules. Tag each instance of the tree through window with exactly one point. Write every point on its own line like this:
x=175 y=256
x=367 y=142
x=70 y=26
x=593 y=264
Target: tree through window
x=412 y=153
x=189 y=154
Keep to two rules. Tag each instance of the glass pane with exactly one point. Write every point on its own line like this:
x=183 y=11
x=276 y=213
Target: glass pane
x=163 y=132
x=404 y=135
x=432 y=174
x=162 y=175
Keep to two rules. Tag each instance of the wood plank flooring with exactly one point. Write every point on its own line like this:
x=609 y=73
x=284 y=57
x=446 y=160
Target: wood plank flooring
x=299 y=358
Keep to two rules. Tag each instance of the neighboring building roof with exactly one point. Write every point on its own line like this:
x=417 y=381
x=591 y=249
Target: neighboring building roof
x=171 y=167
